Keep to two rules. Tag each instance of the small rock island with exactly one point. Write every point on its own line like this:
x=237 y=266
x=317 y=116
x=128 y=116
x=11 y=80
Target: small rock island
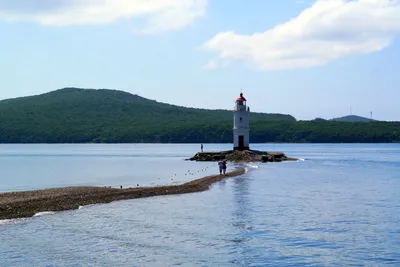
x=242 y=156
x=241 y=138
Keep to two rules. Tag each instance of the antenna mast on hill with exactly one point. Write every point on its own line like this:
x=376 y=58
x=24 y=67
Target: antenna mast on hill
x=351 y=111
x=371 y=115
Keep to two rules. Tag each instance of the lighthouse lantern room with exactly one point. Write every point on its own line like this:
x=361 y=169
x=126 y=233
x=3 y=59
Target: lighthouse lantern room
x=241 y=128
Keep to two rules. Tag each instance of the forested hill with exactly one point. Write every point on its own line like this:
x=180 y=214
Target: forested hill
x=86 y=115
x=353 y=118
x=74 y=115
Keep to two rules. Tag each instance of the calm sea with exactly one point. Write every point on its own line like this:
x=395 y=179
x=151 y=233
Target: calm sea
x=338 y=207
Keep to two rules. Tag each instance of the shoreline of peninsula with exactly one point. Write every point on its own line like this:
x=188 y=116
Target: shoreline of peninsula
x=22 y=204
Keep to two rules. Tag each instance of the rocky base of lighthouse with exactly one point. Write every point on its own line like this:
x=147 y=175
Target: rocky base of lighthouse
x=242 y=156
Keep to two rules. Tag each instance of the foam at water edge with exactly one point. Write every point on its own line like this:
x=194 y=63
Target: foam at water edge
x=301 y=159
x=11 y=221
x=85 y=206
x=43 y=213
x=250 y=165
x=5 y=222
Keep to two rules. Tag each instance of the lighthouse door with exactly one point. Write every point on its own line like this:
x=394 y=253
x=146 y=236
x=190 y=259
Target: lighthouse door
x=241 y=141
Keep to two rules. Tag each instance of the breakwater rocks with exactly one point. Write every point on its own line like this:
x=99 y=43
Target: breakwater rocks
x=242 y=156
x=28 y=203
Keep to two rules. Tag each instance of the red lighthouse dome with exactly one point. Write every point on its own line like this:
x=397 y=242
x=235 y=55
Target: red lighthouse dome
x=240 y=99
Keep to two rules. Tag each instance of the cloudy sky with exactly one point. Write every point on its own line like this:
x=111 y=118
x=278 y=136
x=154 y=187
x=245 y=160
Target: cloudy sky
x=302 y=57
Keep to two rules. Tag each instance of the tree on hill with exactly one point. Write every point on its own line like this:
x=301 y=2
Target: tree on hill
x=353 y=118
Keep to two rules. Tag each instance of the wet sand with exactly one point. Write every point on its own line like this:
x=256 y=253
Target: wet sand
x=28 y=203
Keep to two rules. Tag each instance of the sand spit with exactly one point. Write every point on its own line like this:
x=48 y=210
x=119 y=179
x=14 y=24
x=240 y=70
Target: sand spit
x=28 y=203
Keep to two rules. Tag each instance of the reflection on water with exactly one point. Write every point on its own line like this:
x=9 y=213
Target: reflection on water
x=242 y=219
x=242 y=203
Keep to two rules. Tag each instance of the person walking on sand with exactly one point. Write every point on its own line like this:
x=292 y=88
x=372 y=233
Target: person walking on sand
x=221 y=166
x=201 y=147
x=224 y=166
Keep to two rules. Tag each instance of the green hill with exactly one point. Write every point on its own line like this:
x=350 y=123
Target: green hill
x=353 y=118
x=86 y=115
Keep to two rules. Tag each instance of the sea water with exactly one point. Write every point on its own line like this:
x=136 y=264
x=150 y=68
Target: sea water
x=338 y=206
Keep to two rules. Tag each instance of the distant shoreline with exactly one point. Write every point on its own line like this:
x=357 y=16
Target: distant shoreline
x=28 y=203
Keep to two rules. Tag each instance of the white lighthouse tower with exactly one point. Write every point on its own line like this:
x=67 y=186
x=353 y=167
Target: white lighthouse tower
x=241 y=130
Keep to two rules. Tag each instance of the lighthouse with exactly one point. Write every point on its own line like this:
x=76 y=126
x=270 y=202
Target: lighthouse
x=241 y=130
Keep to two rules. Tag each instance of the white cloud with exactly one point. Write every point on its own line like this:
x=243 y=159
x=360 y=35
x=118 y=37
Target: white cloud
x=159 y=15
x=328 y=30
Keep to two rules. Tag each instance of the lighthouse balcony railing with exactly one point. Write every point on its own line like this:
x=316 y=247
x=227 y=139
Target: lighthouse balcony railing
x=240 y=108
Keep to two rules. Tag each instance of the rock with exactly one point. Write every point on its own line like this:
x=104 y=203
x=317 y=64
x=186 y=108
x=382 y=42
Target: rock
x=271 y=158
x=241 y=156
x=216 y=157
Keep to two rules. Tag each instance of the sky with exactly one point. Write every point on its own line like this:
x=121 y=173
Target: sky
x=307 y=58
